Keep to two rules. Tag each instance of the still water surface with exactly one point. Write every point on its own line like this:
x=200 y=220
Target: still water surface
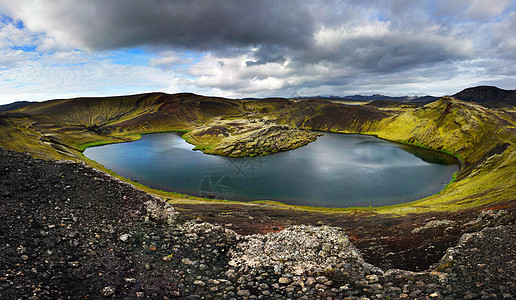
x=337 y=170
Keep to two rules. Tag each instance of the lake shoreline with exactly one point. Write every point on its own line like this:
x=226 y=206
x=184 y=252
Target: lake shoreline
x=80 y=232
x=474 y=215
x=359 y=169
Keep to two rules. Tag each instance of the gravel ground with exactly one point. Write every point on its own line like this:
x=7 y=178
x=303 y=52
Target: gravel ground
x=68 y=231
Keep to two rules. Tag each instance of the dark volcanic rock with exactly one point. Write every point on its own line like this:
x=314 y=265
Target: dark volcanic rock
x=61 y=228
x=68 y=231
x=482 y=265
x=487 y=95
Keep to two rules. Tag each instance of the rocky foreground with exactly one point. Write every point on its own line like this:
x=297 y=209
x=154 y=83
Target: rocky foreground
x=68 y=231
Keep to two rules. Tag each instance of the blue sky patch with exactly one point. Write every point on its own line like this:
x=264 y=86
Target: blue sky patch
x=131 y=57
x=27 y=48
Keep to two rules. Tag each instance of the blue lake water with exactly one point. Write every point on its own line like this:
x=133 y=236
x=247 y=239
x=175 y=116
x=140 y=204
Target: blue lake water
x=337 y=170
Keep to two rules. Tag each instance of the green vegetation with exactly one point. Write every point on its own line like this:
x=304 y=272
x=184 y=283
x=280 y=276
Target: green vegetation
x=482 y=139
x=247 y=137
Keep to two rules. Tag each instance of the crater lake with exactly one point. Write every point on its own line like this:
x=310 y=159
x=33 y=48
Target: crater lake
x=337 y=170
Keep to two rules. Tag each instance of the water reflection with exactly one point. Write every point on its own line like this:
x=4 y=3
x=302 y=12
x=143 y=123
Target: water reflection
x=335 y=171
x=430 y=156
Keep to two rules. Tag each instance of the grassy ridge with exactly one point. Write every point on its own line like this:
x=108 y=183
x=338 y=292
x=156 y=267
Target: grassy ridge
x=484 y=139
x=471 y=132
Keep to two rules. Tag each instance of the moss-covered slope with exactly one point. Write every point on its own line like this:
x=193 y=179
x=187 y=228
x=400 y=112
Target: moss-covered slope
x=484 y=139
x=75 y=124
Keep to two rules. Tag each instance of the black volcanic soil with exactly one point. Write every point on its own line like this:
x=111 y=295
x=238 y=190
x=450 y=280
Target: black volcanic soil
x=62 y=232
x=68 y=231
x=385 y=241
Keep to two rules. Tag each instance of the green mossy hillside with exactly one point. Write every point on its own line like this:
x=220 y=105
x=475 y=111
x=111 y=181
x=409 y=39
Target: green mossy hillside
x=484 y=139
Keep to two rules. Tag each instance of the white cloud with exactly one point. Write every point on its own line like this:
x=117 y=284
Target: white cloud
x=96 y=78
x=255 y=48
x=11 y=36
x=9 y=58
x=171 y=59
x=233 y=73
x=503 y=43
x=483 y=10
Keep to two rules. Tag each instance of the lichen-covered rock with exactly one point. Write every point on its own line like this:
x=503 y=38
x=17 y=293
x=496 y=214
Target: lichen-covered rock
x=161 y=210
x=267 y=140
x=296 y=250
x=434 y=224
x=248 y=137
x=481 y=261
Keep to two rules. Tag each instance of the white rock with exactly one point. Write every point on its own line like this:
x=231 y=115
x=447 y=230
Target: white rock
x=125 y=237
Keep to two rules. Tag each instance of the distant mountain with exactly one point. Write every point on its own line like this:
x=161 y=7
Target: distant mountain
x=14 y=105
x=424 y=99
x=375 y=97
x=365 y=98
x=392 y=103
x=488 y=96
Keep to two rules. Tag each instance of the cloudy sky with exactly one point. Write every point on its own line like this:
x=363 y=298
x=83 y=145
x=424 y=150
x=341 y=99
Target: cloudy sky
x=248 y=48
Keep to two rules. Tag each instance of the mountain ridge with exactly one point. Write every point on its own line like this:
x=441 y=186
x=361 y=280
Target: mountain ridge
x=487 y=95
x=490 y=96
x=366 y=98
x=14 y=105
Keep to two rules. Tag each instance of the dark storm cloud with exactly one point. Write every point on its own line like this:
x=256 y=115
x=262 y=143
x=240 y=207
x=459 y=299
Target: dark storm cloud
x=194 y=24
x=266 y=31
x=269 y=47
x=267 y=54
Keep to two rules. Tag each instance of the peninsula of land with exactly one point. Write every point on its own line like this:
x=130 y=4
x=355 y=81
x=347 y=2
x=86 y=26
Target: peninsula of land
x=71 y=228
